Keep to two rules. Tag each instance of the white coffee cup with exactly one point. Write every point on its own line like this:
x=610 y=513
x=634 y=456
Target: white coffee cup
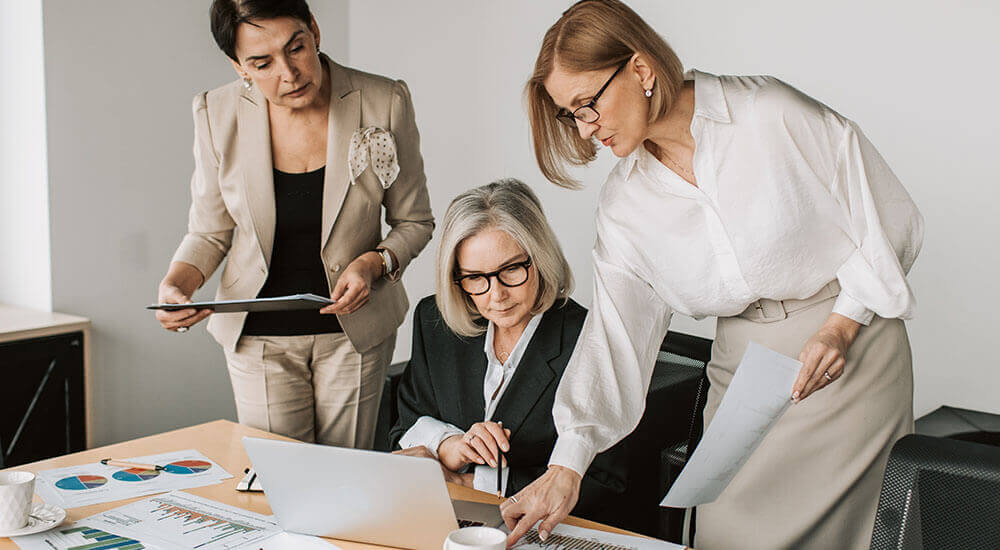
x=16 y=492
x=476 y=538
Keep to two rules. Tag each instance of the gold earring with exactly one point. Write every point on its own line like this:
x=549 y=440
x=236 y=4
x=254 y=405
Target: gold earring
x=247 y=83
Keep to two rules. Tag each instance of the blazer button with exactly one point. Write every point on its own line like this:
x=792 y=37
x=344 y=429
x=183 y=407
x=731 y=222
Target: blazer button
x=335 y=268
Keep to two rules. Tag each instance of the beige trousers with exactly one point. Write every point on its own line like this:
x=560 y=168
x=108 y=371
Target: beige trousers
x=314 y=388
x=815 y=479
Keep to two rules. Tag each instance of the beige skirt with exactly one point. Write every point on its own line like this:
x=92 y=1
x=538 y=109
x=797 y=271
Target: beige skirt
x=815 y=479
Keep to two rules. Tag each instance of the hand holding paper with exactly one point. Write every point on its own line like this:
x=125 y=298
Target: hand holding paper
x=757 y=396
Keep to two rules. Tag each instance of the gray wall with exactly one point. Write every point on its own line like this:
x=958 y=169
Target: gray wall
x=120 y=78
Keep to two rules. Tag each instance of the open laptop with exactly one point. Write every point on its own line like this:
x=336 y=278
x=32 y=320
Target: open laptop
x=364 y=496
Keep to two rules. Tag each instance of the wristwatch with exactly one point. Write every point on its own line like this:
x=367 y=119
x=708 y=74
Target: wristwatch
x=387 y=264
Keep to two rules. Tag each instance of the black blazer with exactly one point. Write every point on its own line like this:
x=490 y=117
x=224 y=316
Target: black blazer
x=444 y=380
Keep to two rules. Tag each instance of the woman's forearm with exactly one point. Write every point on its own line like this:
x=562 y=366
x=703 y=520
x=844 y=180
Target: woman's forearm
x=184 y=276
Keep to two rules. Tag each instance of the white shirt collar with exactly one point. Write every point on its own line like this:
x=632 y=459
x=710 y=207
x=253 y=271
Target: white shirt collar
x=709 y=102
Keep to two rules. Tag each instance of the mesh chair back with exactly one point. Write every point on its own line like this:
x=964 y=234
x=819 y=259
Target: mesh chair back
x=939 y=493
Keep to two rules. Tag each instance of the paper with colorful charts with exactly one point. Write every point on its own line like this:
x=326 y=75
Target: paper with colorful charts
x=95 y=483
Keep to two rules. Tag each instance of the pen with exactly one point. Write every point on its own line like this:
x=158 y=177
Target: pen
x=500 y=468
x=124 y=464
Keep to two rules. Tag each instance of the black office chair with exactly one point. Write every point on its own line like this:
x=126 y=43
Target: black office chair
x=939 y=493
x=673 y=458
x=388 y=410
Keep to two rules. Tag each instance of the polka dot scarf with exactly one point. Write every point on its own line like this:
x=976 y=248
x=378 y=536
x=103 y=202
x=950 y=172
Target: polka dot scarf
x=376 y=147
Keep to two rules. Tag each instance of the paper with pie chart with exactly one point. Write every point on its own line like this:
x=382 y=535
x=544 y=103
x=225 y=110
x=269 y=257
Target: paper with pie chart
x=95 y=483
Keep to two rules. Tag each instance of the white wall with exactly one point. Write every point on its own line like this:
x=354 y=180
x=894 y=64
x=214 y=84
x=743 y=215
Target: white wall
x=919 y=77
x=24 y=214
x=120 y=78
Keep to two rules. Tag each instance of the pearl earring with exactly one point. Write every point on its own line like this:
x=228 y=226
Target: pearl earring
x=649 y=93
x=247 y=83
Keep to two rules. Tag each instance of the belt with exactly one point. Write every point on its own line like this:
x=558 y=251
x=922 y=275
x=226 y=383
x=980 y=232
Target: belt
x=767 y=311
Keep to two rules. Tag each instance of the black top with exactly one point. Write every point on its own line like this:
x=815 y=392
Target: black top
x=444 y=380
x=296 y=267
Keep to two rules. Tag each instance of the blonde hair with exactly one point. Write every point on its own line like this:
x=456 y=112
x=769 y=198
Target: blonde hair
x=593 y=35
x=510 y=206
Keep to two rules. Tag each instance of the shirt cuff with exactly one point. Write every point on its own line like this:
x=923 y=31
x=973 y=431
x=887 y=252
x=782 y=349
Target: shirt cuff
x=429 y=432
x=572 y=451
x=485 y=480
x=853 y=309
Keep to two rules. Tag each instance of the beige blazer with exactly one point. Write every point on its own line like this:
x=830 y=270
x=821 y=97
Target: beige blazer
x=232 y=198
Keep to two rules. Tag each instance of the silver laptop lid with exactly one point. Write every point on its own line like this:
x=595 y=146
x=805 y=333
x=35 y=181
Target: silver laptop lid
x=350 y=494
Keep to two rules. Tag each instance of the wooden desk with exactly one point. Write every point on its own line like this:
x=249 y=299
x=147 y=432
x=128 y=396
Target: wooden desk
x=221 y=441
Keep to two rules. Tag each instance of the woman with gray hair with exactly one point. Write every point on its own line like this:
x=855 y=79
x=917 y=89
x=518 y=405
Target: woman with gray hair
x=490 y=347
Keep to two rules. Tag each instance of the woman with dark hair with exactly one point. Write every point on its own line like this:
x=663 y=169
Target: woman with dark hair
x=294 y=163
x=741 y=198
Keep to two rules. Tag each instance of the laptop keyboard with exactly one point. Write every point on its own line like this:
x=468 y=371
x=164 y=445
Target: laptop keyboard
x=470 y=523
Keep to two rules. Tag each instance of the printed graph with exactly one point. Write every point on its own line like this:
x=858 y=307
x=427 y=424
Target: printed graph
x=79 y=537
x=81 y=483
x=182 y=520
x=135 y=474
x=199 y=520
x=566 y=542
x=186 y=467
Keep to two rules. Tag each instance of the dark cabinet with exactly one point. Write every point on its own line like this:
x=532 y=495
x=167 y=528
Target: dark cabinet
x=42 y=409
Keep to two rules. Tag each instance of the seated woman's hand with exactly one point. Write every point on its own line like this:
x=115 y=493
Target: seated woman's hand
x=355 y=284
x=466 y=480
x=419 y=451
x=480 y=445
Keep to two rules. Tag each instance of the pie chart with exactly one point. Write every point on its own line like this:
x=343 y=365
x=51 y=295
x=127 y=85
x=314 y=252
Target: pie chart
x=80 y=483
x=135 y=474
x=185 y=467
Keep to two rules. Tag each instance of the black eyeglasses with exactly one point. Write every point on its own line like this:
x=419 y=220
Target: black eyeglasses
x=509 y=276
x=587 y=113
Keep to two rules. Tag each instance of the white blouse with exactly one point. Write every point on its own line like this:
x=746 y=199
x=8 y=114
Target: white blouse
x=790 y=196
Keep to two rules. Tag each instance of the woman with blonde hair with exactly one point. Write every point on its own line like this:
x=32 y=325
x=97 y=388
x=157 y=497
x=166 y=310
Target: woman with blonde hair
x=489 y=348
x=742 y=198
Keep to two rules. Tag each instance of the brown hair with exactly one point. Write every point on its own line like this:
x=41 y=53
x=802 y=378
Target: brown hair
x=593 y=35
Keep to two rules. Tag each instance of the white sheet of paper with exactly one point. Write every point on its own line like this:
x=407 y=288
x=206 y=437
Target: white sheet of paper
x=181 y=520
x=293 y=541
x=95 y=483
x=758 y=395
x=77 y=535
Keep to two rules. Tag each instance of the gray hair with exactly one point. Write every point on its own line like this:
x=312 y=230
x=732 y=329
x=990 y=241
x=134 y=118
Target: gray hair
x=512 y=207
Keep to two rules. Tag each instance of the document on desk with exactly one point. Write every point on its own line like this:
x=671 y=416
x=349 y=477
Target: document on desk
x=174 y=521
x=94 y=483
x=758 y=395
x=568 y=537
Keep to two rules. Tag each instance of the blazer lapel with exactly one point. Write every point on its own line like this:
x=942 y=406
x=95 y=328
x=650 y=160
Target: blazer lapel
x=533 y=374
x=345 y=118
x=470 y=370
x=258 y=174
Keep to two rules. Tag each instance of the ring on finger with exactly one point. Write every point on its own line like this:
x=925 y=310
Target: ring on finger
x=826 y=375
x=182 y=329
x=513 y=499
